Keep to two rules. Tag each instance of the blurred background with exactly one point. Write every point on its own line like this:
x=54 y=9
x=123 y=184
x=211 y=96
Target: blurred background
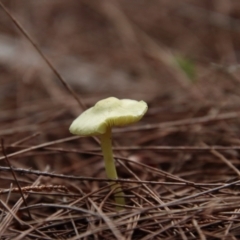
x=147 y=50
x=181 y=57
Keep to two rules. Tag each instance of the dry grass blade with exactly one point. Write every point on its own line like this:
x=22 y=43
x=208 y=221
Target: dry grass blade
x=38 y=147
x=184 y=122
x=200 y=233
x=109 y=222
x=226 y=161
x=6 y=221
x=14 y=176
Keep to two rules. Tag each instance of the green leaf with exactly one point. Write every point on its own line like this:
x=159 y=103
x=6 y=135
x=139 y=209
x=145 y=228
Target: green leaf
x=188 y=66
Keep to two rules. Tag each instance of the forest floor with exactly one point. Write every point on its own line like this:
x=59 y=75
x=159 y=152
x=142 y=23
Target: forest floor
x=178 y=166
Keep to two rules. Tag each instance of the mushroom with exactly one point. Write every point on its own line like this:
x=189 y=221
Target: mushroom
x=98 y=121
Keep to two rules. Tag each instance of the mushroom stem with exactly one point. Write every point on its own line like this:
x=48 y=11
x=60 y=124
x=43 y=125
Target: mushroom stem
x=106 y=145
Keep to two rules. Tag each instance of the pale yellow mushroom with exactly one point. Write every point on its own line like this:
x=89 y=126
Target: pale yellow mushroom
x=99 y=120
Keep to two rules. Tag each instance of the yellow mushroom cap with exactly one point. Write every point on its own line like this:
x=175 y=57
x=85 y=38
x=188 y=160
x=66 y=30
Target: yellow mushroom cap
x=107 y=113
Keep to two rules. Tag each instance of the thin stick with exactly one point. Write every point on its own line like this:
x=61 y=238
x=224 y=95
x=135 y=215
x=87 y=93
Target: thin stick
x=199 y=230
x=183 y=122
x=15 y=178
x=48 y=62
x=226 y=161
x=82 y=178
